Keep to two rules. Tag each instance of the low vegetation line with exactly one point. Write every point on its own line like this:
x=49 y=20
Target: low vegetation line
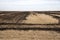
x=45 y=29
x=24 y=24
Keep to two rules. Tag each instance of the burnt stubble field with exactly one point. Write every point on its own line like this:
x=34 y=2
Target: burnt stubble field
x=30 y=25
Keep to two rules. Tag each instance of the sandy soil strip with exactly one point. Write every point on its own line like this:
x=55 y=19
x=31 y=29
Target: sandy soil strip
x=40 y=19
x=29 y=35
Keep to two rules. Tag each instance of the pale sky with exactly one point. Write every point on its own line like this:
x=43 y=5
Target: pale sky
x=29 y=5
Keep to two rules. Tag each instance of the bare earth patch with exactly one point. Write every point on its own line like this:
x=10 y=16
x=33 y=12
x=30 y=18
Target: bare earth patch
x=40 y=19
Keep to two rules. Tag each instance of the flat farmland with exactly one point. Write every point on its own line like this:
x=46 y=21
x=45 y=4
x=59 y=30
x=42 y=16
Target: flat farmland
x=30 y=25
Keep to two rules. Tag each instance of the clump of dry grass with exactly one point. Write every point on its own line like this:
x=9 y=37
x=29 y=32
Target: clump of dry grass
x=40 y=19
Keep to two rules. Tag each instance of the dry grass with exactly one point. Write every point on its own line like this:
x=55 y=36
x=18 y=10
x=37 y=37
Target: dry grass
x=31 y=18
x=40 y=19
x=29 y=35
